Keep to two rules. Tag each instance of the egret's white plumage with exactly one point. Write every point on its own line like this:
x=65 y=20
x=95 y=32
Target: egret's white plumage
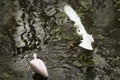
x=71 y=13
x=87 y=39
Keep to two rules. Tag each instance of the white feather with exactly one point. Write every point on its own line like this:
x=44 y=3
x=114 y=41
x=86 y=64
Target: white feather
x=38 y=66
x=87 y=39
x=72 y=14
x=74 y=17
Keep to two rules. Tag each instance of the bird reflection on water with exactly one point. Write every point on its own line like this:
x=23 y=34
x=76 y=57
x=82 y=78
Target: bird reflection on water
x=37 y=76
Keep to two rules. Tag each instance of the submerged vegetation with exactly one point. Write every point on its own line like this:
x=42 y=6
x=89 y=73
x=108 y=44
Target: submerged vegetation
x=46 y=30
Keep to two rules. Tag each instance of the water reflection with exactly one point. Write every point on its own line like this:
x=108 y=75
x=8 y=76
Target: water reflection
x=37 y=76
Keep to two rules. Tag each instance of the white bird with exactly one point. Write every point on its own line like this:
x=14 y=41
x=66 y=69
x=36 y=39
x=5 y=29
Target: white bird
x=38 y=66
x=87 y=38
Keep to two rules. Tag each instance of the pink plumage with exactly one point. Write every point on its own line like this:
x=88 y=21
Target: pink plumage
x=38 y=66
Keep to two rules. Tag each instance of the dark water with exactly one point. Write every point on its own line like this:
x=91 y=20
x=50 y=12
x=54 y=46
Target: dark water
x=41 y=26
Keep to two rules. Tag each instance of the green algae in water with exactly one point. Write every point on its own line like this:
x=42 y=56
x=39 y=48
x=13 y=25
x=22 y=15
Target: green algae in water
x=7 y=75
x=1 y=35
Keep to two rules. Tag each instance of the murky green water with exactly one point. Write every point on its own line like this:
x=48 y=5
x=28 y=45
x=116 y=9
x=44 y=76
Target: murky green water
x=41 y=26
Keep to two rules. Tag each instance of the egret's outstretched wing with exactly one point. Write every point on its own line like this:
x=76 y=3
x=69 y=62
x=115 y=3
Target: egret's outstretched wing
x=74 y=17
x=71 y=14
x=87 y=39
